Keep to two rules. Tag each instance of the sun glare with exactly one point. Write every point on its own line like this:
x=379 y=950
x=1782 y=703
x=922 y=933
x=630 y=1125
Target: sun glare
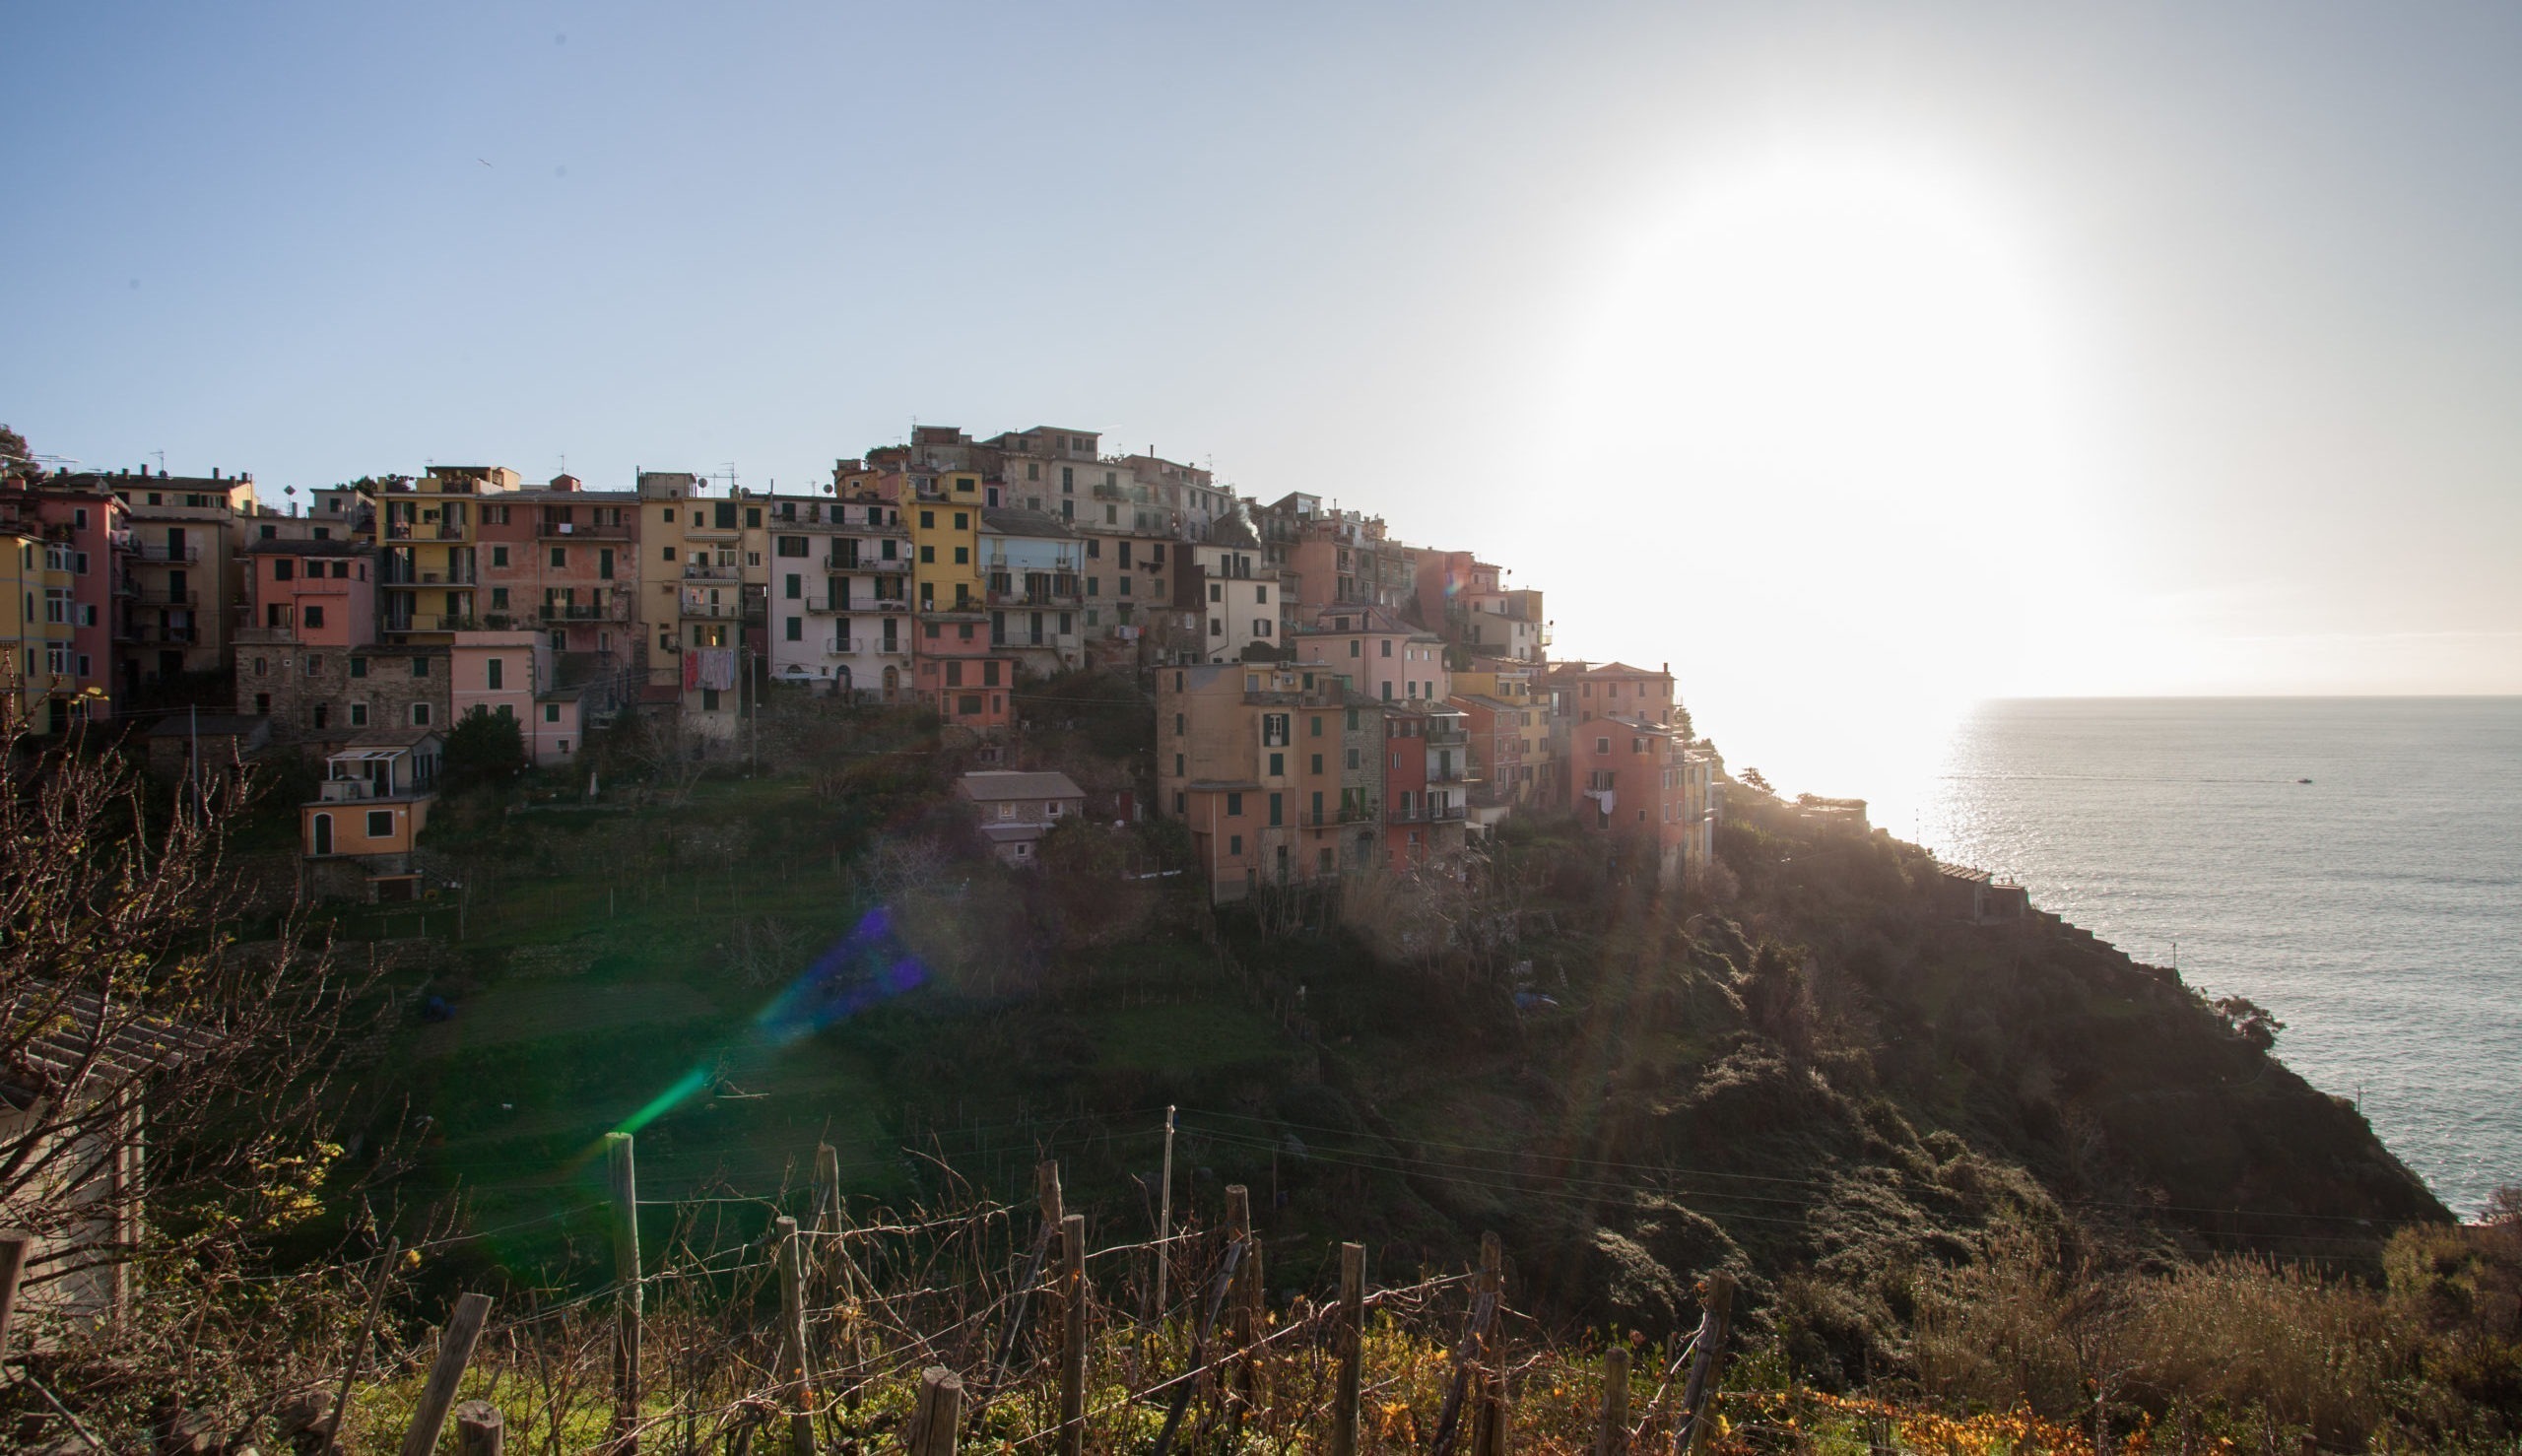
x=1853 y=376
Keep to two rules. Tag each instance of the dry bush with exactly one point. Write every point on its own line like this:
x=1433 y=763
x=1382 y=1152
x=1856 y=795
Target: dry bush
x=2269 y=1345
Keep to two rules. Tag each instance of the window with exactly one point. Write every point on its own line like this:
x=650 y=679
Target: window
x=1352 y=759
x=1278 y=766
x=419 y=715
x=496 y=674
x=1261 y=594
x=962 y=556
x=499 y=555
x=954 y=674
x=1275 y=809
x=314 y=615
x=1317 y=762
x=1094 y=586
x=359 y=715
x=791 y=546
x=1387 y=646
x=708 y=699
x=1234 y=843
x=1273 y=730
x=1601 y=744
x=380 y=823
x=1260 y=627
x=1234 y=806
x=1216 y=593
x=282 y=569
x=796 y=586
x=551 y=713
x=928 y=555
x=263 y=704
x=796 y=628
x=752 y=517
x=1318 y=718
x=359 y=667
x=964 y=519
x=669 y=552
x=1177 y=772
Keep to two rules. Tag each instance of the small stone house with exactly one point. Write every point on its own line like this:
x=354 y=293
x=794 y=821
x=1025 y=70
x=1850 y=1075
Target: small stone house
x=1016 y=808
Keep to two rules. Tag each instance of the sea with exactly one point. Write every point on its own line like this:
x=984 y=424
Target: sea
x=2352 y=865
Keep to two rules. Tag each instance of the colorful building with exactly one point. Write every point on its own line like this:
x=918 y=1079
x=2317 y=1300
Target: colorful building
x=375 y=801
x=703 y=597
x=428 y=534
x=1388 y=658
x=1274 y=769
x=1036 y=571
x=839 y=599
x=310 y=606
x=1628 y=771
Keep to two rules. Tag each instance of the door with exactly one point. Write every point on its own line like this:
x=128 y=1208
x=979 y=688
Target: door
x=324 y=835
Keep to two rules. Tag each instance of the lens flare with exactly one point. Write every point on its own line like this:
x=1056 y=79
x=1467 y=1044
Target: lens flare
x=865 y=968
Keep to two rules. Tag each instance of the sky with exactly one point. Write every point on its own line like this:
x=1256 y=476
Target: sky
x=1858 y=360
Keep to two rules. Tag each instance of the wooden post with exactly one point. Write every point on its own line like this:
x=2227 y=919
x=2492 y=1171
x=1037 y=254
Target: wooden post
x=1348 y=1342
x=480 y=1430
x=1611 y=1439
x=1238 y=1330
x=826 y=1188
x=359 y=1353
x=797 y=1385
x=1692 y=1433
x=621 y=1171
x=1164 y=1216
x=454 y=1352
x=1073 y=1339
x=934 y=1425
x=1046 y=1194
x=1488 y=1415
x=13 y=1262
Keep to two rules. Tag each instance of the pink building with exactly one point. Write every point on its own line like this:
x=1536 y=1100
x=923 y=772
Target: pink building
x=1381 y=655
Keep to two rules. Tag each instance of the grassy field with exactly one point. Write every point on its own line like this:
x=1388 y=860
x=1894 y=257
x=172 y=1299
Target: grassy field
x=655 y=971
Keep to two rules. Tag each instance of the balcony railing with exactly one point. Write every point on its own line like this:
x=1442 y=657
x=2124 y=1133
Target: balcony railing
x=158 y=631
x=723 y=610
x=572 y=530
x=896 y=566
x=1067 y=601
x=161 y=597
x=823 y=603
x=617 y=610
x=159 y=550
x=453 y=531
x=710 y=572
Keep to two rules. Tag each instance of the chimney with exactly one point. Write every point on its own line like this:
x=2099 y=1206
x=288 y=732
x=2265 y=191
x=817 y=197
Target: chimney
x=214 y=472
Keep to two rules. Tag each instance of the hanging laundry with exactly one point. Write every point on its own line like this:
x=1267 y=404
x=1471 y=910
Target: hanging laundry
x=690 y=671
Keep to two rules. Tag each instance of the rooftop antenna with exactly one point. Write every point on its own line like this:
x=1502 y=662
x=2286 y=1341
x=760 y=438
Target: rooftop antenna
x=162 y=460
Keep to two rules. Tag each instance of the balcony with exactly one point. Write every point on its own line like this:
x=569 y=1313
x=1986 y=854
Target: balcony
x=349 y=791
x=158 y=631
x=965 y=610
x=617 y=610
x=161 y=597
x=712 y=571
x=894 y=568
x=452 y=531
x=1064 y=601
x=823 y=604
x=159 y=550
x=575 y=530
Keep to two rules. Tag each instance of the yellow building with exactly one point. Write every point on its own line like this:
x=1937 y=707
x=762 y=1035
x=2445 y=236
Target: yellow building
x=35 y=630
x=426 y=535
x=703 y=595
x=1510 y=684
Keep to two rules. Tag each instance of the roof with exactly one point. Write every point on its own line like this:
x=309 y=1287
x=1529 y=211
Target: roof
x=391 y=737
x=59 y=1044
x=1016 y=520
x=1603 y=670
x=1010 y=784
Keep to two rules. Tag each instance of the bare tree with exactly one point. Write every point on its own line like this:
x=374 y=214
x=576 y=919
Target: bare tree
x=670 y=752
x=134 y=1020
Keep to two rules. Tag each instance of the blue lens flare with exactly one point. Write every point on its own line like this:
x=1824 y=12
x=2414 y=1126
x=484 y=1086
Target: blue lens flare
x=866 y=969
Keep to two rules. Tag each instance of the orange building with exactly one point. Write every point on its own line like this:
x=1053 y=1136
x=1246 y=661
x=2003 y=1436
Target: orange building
x=1275 y=769
x=377 y=797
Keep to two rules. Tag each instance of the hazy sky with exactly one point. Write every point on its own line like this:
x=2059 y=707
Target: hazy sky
x=1857 y=359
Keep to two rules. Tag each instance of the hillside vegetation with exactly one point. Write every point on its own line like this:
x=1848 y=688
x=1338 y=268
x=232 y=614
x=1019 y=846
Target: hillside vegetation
x=1981 y=1166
